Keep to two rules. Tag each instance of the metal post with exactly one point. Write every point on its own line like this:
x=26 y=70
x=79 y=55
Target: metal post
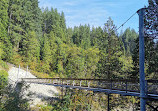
x=88 y=84
x=73 y=83
x=141 y=59
x=80 y=83
x=126 y=86
x=108 y=102
x=18 y=72
x=111 y=85
x=62 y=90
x=26 y=71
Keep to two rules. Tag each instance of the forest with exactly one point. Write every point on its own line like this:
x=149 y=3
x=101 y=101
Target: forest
x=39 y=38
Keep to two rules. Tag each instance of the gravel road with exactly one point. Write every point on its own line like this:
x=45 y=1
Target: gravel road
x=40 y=92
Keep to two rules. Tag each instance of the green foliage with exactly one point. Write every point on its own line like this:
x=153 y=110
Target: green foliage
x=4 y=39
x=150 y=59
x=4 y=73
x=12 y=99
x=63 y=105
x=128 y=38
x=127 y=66
x=3 y=65
x=1 y=50
x=31 y=48
x=80 y=100
x=15 y=100
x=3 y=83
x=45 y=108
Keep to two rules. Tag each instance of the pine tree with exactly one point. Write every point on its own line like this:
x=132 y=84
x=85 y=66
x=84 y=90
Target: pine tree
x=62 y=21
x=128 y=38
x=46 y=55
x=69 y=34
x=53 y=49
x=4 y=39
x=113 y=50
x=15 y=30
x=31 y=49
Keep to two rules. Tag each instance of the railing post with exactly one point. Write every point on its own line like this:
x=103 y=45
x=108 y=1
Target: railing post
x=67 y=82
x=108 y=102
x=80 y=83
x=57 y=81
x=62 y=88
x=88 y=84
x=18 y=72
x=146 y=86
x=126 y=85
x=73 y=83
x=111 y=84
x=26 y=71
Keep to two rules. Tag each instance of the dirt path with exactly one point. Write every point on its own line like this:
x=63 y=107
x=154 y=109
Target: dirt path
x=40 y=91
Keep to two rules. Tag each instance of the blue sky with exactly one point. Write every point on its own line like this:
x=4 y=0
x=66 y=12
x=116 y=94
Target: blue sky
x=96 y=12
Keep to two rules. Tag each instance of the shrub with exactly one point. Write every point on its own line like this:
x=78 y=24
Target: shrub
x=4 y=74
x=3 y=65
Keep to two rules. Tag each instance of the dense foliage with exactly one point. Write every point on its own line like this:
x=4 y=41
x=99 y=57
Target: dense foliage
x=11 y=98
x=39 y=38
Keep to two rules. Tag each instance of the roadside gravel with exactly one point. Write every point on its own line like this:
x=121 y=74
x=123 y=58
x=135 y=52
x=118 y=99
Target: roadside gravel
x=40 y=92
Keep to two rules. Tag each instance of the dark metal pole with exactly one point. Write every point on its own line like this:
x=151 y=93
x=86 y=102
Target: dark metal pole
x=141 y=59
x=108 y=102
x=62 y=90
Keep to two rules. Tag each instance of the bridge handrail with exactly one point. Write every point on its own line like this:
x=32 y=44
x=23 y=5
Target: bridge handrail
x=80 y=79
x=152 y=81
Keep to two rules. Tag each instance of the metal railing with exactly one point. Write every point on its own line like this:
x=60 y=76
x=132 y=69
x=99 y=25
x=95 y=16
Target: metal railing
x=122 y=85
x=119 y=84
x=152 y=86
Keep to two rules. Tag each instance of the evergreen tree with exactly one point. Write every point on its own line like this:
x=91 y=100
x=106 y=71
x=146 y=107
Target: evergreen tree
x=4 y=39
x=76 y=36
x=113 y=50
x=128 y=38
x=53 y=49
x=31 y=49
x=63 y=22
x=16 y=15
x=69 y=34
x=46 y=55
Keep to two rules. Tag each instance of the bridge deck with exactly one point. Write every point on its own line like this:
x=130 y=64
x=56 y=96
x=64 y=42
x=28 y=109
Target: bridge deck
x=123 y=87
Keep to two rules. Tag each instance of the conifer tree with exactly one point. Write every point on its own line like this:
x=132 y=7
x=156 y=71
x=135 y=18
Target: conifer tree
x=31 y=49
x=4 y=39
x=46 y=55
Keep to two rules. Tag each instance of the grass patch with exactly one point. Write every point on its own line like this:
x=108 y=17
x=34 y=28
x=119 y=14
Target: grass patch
x=3 y=65
x=40 y=74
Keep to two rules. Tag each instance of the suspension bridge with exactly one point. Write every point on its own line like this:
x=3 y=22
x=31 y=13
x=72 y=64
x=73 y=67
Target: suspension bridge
x=123 y=87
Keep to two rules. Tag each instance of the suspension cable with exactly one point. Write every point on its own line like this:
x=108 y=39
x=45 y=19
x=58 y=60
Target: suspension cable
x=126 y=21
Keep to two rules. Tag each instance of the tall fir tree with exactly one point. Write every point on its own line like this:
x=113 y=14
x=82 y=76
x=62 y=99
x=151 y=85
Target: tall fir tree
x=4 y=38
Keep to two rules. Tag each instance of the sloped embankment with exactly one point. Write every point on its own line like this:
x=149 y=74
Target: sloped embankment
x=40 y=91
